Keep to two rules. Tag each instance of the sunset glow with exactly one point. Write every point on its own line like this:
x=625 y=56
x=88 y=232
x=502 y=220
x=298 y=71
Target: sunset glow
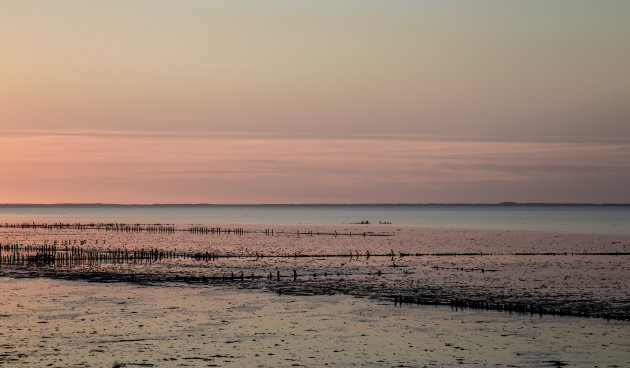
x=172 y=168
x=314 y=102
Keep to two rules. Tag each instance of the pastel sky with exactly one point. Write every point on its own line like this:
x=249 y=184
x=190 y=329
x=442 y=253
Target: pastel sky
x=314 y=101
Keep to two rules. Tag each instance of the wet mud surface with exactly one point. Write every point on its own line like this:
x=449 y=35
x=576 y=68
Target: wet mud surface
x=59 y=323
x=530 y=272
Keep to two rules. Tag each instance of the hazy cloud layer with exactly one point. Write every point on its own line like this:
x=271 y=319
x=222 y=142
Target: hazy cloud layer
x=139 y=169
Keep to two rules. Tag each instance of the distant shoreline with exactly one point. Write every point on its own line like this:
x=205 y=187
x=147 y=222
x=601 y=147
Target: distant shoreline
x=502 y=204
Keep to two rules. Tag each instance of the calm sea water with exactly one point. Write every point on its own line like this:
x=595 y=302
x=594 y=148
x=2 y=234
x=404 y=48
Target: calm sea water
x=575 y=219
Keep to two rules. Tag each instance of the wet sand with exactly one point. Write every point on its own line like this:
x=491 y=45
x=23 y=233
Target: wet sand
x=46 y=322
x=542 y=272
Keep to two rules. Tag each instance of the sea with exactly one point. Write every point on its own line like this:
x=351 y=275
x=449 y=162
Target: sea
x=581 y=219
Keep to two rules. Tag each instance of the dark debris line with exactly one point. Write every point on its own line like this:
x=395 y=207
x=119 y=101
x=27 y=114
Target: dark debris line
x=11 y=254
x=165 y=228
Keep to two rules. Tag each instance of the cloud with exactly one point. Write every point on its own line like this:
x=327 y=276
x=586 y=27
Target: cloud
x=154 y=168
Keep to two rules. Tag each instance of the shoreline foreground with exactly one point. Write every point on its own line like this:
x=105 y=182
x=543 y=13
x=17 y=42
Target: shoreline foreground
x=151 y=294
x=82 y=324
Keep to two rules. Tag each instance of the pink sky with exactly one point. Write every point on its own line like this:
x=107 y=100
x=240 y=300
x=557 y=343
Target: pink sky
x=47 y=167
x=314 y=101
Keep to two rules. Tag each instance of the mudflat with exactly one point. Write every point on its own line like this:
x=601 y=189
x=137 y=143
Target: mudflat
x=47 y=322
x=520 y=271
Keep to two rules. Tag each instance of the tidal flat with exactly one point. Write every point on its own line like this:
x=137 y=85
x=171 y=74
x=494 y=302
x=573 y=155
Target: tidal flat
x=59 y=323
x=177 y=294
x=521 y=271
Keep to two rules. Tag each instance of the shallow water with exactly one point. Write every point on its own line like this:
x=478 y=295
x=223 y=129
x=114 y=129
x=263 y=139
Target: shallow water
x=72 y=323
x=570 y=219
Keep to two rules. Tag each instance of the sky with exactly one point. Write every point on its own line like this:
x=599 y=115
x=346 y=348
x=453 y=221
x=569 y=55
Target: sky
x=314 y=101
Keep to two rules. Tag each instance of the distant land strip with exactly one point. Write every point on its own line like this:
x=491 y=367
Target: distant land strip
x=502 y=204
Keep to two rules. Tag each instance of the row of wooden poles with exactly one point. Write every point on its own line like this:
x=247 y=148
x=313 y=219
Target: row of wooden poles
x=215 y=230
x=51 y=254
x=15 y=253
x=518 y=307
x=157 y=228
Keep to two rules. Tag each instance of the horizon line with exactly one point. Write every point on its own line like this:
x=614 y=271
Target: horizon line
x=505 y=203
